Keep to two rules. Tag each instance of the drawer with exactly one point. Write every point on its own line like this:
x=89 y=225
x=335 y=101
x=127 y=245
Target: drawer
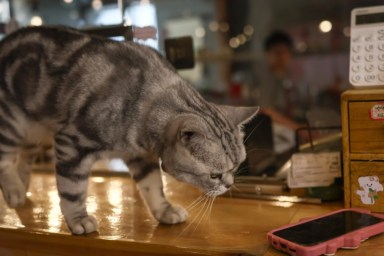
x=367 y=179
x=365 y=135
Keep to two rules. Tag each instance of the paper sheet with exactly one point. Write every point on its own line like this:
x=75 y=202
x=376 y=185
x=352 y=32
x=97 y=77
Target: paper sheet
x=314 y=169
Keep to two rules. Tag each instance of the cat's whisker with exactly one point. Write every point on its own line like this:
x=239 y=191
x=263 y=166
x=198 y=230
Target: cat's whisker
x=244 y=168
x=236 y=188
x=197 y=215
x=253 y=130
x=195 y=202
x=251 y=165
x=206 y=208
x=259 y=149
x=208 y=219
x=240 y=170
x=210 y=211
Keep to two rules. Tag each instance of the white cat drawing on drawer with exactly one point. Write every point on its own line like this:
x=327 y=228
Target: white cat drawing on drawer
x=370 y=186
x=96 y=97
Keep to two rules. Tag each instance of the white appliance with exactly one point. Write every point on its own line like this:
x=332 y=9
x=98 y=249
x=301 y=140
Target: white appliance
x=366 y=65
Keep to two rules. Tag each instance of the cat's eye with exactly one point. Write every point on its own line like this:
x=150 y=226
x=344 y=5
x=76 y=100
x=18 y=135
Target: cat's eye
x=188 y=134
x=216 y=176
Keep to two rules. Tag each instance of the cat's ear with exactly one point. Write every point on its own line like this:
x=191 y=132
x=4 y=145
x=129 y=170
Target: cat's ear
x=239 y=115
x=187 y=135
x=186 y=129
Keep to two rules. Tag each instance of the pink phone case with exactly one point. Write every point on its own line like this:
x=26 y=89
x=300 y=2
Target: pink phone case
x=351 y=240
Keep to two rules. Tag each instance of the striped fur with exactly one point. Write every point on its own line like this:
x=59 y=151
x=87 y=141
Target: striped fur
x=97 y=97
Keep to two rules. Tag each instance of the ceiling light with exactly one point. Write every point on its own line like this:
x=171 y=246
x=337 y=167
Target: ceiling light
x=325 y=26
x=36 y=21
x=234 y=42
x=213 y=26
x=200 y=32
x=248 y=30
x=97 y=4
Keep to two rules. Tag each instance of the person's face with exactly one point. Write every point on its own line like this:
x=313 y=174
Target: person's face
x=279 y=57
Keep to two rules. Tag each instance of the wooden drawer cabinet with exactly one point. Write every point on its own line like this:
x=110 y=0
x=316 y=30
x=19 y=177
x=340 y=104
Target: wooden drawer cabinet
x=363 y=148
x=366 y=135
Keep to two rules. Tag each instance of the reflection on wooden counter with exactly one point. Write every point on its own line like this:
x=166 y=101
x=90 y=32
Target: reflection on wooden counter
x=235 y=226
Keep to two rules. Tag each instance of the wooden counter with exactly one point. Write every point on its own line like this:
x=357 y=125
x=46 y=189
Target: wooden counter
x=235 y=226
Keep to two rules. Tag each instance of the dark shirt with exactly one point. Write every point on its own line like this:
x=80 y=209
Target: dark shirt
x=282 y=94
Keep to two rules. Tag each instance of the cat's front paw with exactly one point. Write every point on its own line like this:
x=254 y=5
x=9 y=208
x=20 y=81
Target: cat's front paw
x=14 y=195
x=172 y=215
x=85 y=225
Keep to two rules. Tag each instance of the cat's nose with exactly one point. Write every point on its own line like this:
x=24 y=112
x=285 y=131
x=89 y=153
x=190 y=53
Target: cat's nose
x=227 y=180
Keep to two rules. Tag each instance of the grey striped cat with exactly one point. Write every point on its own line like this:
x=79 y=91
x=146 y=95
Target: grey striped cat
x=101 y=98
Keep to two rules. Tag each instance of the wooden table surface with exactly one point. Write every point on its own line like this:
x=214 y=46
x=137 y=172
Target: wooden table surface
x=234 y=227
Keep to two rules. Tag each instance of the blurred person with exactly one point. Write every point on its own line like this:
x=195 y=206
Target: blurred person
x=279 y=96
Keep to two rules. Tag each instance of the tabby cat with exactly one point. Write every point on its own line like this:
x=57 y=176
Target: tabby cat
x=102 y=98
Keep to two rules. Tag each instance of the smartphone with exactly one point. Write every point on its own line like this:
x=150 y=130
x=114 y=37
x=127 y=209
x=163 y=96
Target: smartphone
x=345 y=228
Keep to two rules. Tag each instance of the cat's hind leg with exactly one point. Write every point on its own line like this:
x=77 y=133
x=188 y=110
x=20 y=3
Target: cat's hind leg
x=148 y=178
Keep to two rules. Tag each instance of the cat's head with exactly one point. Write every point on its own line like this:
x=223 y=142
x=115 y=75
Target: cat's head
x=206 y=150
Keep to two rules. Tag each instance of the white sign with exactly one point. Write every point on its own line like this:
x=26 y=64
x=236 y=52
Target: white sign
x=314 y=169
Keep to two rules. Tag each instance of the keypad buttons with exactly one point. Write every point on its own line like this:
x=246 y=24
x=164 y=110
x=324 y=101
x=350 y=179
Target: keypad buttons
x=368 y=38
x=356 y=48
x=355 y=68
x=369 y=57
x=356 y=58
x=357 y=39
x=369 y=78
x=355 y=78
x=381 y=77
x=369 y=67
x=369 y=47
